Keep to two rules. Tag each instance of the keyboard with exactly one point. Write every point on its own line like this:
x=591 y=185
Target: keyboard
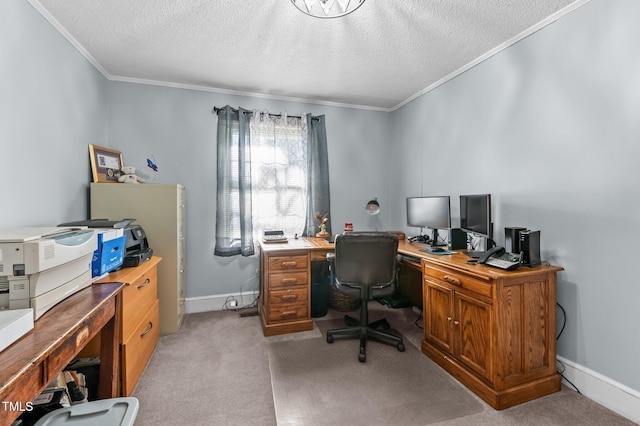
x=409 y=258
x=506 y=261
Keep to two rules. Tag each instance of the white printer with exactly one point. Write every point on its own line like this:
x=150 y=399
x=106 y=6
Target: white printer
x=39 y=267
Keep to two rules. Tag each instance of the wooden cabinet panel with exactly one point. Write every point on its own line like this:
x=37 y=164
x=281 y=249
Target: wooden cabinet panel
x=473 y=334
x=438 y=316
x=493 y=330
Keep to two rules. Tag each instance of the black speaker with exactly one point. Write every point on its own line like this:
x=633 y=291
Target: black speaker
x=512 y=239
x=457 y=239
x=530 y=248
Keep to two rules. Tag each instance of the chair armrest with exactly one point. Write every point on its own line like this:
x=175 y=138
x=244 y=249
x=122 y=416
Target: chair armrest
x=331 y=257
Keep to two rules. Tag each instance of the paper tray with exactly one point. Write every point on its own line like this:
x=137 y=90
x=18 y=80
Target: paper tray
x=14 y=324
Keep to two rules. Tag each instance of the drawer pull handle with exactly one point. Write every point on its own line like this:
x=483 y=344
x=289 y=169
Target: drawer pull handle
x=456 y=322
x=144 y=284
x=144 y=333
x=291 y=264
x=448 y=318
x=289 y=298
x=452 y=280
x=288 y=314
x=289 y=280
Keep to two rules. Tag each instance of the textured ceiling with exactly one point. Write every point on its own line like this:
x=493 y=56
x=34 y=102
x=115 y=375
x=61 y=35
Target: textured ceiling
x=381 y=56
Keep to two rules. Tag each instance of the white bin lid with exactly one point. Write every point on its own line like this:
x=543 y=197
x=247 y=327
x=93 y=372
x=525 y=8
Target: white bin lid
x=103 y=412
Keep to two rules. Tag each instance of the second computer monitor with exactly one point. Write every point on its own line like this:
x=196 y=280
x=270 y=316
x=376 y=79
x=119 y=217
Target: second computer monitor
x=475 y=214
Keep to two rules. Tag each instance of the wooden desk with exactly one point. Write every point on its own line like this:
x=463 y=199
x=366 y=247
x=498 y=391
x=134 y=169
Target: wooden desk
x=57 y=337
x=493 y=330
x=285 y=283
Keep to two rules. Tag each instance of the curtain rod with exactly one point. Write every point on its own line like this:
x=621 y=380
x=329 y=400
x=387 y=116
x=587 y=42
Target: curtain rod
x=217 y=110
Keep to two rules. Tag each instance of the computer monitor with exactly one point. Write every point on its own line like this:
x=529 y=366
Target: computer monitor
x=475 y=214
x=429 y=212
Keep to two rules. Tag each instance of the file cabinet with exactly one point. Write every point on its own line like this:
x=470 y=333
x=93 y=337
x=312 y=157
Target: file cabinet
x=160 y=210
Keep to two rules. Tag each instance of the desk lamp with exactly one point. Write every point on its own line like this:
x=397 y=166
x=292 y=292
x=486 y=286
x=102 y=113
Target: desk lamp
x=373 y=207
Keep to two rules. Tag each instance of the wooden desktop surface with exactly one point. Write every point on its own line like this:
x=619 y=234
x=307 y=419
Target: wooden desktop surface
x=319 y=247
x=30 y=363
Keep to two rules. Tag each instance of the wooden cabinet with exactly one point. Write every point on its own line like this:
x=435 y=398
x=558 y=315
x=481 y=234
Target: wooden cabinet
x=160 y=210
x=285 y=303
x=140 y=320
x=493 y=330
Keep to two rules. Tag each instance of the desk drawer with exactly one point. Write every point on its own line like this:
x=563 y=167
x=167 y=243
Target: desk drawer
x=295 y=295
x=138 y=348
x=319 y=256
x=460 y=280
x=290 y=279
x=288 y=263
x=137 y=298
x=287 y=313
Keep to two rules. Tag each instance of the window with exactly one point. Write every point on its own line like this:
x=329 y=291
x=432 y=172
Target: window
x=279 y=184
x=272 y=174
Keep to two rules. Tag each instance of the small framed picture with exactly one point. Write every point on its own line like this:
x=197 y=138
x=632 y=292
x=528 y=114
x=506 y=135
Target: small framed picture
x=105 y=164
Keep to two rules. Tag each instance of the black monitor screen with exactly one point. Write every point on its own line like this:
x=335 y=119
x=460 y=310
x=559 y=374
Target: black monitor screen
x=430 y=212
x=475 y=213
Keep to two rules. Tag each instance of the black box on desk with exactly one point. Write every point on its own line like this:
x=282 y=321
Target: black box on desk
x=530 y=248
x=457 y=239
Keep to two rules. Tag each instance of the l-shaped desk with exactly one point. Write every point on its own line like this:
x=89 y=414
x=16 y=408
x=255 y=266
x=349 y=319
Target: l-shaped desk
x=493 y=330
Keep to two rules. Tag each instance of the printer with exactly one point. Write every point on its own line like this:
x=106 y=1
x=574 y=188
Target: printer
x=136 y=246
x=39 y=267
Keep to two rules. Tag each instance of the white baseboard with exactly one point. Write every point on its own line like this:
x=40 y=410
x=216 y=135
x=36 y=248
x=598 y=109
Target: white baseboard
x=217 y=302
x=603 y=390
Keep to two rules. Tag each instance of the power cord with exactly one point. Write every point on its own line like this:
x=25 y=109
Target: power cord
x=231 y=303
x=558 y=370
x=418 y=321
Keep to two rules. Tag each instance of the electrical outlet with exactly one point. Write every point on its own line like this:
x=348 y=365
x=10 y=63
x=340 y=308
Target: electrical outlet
x=233 y=303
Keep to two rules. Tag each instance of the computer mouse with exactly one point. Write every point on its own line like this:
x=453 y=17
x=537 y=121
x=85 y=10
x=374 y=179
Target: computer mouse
x=437 y=250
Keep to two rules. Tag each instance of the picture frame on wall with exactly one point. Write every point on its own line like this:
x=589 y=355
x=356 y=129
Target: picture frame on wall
x=105 y=164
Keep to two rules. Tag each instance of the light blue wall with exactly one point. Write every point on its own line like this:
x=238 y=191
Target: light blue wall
x=551 y=128
x=177 y=128
x=52 y=105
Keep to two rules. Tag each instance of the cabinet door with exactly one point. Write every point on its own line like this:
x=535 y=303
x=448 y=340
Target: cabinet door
x=473 y=334
x=438 y=321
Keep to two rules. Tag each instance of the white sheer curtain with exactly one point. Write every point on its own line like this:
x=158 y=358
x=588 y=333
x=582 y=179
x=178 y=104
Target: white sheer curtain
x=279 y=181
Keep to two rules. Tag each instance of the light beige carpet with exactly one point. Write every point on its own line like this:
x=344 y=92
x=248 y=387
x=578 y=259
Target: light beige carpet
x=317 y=383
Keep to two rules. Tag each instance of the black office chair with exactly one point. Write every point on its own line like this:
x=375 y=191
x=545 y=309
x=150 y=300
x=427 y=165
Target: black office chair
x=365 y=264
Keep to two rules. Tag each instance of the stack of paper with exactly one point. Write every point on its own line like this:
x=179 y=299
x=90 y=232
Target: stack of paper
x=14 y=324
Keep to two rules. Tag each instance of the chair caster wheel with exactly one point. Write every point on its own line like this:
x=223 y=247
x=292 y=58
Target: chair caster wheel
x=329 y=339
x=362 y=357
x=400 y=347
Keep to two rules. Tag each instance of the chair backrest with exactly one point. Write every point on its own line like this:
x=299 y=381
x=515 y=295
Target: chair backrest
x=366 y=258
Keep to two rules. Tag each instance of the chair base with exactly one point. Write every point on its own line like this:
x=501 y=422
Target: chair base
x=356 y=330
